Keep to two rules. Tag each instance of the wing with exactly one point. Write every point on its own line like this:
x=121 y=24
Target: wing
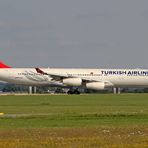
x=56 y=77
x=60 y=77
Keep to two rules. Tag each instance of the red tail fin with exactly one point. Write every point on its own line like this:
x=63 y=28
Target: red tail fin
x=2 y=65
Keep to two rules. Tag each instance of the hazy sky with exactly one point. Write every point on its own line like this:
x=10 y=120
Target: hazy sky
x=74 y=33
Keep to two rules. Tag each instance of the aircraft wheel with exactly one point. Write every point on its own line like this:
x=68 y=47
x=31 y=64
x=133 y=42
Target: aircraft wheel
x=70 y=92
x=76 y=91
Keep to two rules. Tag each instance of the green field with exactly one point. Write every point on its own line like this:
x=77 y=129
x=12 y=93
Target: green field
x=74 y=121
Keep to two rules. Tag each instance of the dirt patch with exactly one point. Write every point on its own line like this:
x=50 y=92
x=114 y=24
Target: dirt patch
x=75 y=137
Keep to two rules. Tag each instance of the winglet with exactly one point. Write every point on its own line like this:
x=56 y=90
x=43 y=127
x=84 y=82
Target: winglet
x=40 y=71
x=2 y=65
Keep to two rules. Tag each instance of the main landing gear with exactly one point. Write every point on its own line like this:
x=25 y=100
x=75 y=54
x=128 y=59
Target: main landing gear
x=73 y=91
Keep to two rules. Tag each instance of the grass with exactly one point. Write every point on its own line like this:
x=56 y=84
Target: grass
x=74 y=121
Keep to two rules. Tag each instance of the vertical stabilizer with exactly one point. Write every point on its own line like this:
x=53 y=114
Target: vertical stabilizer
x=2 y=65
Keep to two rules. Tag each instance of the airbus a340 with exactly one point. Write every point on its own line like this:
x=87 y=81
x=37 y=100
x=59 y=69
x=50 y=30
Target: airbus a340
x=97 y=79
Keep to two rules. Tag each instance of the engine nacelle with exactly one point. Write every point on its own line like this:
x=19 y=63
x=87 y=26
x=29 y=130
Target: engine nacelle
x=72 y=81
x=95 y=85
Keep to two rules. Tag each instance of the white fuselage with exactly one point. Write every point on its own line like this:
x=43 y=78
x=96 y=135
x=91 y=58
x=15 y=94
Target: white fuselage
x=111 y=77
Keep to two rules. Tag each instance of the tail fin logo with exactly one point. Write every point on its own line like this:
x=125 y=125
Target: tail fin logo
x=2 y=65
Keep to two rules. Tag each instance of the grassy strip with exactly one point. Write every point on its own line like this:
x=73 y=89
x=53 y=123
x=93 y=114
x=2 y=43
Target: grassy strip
x=74 y=121
x=84 y=120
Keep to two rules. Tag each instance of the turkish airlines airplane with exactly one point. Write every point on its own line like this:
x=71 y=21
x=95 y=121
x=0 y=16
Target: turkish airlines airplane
x=97 y=79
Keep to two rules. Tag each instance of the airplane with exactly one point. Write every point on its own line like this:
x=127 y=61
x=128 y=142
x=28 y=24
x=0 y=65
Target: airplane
x=97 y=79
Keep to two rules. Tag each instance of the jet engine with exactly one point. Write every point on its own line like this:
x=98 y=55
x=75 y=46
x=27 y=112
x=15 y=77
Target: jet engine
x=95 y=85
x=72 y=81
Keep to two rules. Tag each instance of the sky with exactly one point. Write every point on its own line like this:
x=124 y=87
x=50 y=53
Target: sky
x=74 y=33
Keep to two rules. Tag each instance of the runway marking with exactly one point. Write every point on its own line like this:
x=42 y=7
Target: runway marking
x=1 y=114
